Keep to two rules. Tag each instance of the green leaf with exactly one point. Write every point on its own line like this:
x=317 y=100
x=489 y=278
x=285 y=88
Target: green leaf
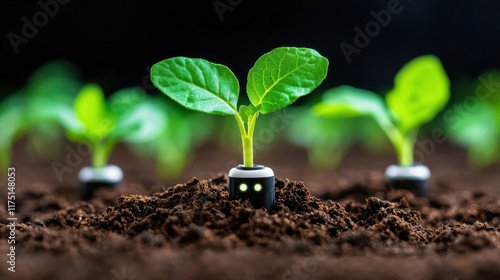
x=346 y=101
x=281 y=76
x=197 y=84
x=247 y=112
x=421 y=90
x=91 y=110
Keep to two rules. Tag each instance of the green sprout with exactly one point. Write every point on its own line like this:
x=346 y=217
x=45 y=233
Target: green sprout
x=128 y=116
x=421 y=90
x=277 y=79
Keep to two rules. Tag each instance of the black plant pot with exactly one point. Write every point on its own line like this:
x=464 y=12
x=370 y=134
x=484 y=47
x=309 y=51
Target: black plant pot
x=413 y=178
x=93 y=178
x=253 y=183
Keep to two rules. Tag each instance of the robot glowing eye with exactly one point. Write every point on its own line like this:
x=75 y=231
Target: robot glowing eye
x=257 y=187
x=243 y=187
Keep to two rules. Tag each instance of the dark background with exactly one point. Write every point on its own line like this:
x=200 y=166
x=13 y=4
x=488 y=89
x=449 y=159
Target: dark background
x=114 y=42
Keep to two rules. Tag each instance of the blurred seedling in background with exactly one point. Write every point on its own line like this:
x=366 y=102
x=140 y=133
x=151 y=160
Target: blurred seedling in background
x=128 y=116
x=421 y=90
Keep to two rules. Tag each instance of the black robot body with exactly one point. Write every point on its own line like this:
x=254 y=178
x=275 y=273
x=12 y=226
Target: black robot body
x=253 y=183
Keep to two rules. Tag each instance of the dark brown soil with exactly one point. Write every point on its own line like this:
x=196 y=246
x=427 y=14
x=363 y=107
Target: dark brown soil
x=353 y=227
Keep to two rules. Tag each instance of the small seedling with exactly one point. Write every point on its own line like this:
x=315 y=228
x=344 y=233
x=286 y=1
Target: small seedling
x=421 y=90
x=127 y=117
x=277 y=79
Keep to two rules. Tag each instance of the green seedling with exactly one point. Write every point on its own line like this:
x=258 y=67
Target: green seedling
x=128 y=116
x=277 y=79
x=421 y=90
x=478 y=129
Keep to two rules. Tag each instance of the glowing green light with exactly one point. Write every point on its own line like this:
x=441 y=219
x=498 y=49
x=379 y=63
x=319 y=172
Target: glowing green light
x=243 y=187
x=257 y=187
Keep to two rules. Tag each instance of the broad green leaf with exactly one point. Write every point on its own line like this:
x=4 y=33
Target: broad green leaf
x=197 y=84
x=421 y=90
x=281 y=76
x=346 y=101
x=247 y=112
x=92 y=111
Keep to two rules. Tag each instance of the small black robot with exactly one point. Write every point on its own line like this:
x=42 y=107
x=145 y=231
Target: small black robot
x=253 y=183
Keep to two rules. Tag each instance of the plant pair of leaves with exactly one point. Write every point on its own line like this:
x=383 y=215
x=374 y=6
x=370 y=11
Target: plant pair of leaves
x=277 y=79
x=421 y=90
